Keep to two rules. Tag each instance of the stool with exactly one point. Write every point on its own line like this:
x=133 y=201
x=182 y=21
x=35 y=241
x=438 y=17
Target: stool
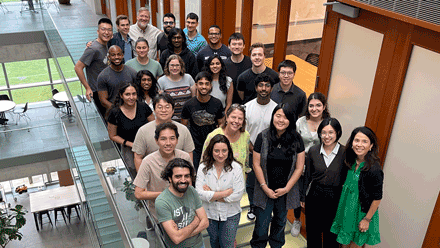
x=63 y=213
x=40 y=217
x=69 y=211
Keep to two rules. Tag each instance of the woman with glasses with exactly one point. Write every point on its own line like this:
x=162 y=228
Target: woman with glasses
x=325 y=172
x=177 y=84
x=220 y=185
x=357 y=218
x=222 y=87
x=278 y=161
x=147 y=84
x=125 y=117
x=234 y=129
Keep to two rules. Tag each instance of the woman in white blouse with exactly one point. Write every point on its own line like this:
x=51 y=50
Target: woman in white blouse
x=220 y=185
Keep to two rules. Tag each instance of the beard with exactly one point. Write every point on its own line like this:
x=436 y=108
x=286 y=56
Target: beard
x=113 y=63
x=176 y=187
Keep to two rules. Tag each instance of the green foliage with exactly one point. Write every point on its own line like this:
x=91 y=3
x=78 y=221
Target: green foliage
x=10 y=223
x=129 y=194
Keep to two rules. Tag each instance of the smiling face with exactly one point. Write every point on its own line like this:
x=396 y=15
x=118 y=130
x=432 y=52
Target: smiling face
x=361 y=145
x=124 y=26
x=164 y=111
x=168 y=24
x=316 y=108
x=181 y=179
x=286 y=75
x=220 y=152
x=236 y=46
x=177 y=40
x=129 y=96
x=257 y=57
x=191 y=24
x=204 y=87
x=174 y=67
x=328 y=135
x=115 y=55
x=167 y=141
x=280 y=121
x=143 y=18
x=235 y=120
x=146 y=82
x=263 y=90
x=215 y=66
x=142 y=49
x=105 y=32
x=214 y=36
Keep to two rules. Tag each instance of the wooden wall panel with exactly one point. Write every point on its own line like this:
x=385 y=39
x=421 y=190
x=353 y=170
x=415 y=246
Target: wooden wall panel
x=247 y=12
x=182 y=14
x=208 y=16
x=281 y=32
x=154 y=10
x=121 y=7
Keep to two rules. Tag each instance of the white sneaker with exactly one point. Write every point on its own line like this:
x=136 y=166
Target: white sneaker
x=296 y=228
x=251 y=215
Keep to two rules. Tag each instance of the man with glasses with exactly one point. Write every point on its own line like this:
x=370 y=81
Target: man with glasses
x=215 y=46
x=194 y=39
x=144 y=142
x=169 y=22
x=94 y=60
x=142 y=28
x=286 y=91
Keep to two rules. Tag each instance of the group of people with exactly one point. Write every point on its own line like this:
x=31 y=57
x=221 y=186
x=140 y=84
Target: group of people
x=206 y=123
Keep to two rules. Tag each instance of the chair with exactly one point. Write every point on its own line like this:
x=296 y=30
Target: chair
x=54 y=91
x=23 y=114
x=27 y=5
x=40 y=217
x=69 y=211
x=4 y=97
x=57 y=106
x=52 y=2
x=3 y=121
x=63 y=213
x=313 y=59
x=3 y=7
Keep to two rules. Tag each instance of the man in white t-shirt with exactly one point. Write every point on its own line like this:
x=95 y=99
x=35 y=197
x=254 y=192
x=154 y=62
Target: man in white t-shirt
x=258 y=117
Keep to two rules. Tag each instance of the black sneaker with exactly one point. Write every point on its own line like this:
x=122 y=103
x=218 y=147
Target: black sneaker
x=251 y=215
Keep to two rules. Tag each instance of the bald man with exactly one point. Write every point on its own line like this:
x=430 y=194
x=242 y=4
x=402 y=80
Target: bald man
x=113 y=76
x=142 y=28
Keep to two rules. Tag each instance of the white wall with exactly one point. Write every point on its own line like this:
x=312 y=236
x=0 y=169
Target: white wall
x=412 y=171
x=354 y=68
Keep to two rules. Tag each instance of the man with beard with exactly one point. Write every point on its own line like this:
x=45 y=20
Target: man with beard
x=194 y=39
x=179 y=208
x=177 y=45
x=148 y=180
x=142 y=62
x=169 y=22
x=245 y=82
x=258 y=116
x=215 y=46
x=114 y=75
x=94 y=59
x=203 y=113
x=142 y=28
x=121 y=38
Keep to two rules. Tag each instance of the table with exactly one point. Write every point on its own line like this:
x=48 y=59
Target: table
x=5 y=105
x=62 y=97
x=55 y=198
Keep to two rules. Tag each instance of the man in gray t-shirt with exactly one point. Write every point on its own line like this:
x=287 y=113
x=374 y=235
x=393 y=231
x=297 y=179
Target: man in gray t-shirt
x=113 y=76
x=94 y=60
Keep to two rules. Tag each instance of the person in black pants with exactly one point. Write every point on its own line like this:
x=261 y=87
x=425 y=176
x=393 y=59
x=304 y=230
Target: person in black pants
x=323 y=180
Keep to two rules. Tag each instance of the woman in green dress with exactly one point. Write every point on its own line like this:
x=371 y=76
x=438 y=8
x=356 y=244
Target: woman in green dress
x=357 y=218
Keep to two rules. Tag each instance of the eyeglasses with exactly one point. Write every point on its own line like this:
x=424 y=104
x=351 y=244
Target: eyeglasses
x=161 y=107
x=286 y=73
x=106 y=29
x=331 y=133
x=168 y=23
x=213 y=34
x=238 y=106
x=174 y=66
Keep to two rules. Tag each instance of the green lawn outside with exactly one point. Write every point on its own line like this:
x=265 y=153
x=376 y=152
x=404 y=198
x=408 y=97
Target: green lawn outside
x=33 y=71
x=7 y=1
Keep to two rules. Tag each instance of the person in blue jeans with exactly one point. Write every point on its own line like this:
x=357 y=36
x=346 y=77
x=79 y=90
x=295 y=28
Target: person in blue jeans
x=278 y=163
x=220 y=185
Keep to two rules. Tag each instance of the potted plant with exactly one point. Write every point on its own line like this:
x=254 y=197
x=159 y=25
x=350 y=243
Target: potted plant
x=129 y=194
x=10 y=223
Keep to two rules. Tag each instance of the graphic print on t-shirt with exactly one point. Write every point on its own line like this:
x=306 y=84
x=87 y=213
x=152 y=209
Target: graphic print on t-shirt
x=203 y=118
x=180 y=96
x=183 y=216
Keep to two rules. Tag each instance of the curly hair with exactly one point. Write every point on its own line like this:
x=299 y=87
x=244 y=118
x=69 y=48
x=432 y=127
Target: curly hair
x=222 y=77
x=208 y=157
x=167 y=173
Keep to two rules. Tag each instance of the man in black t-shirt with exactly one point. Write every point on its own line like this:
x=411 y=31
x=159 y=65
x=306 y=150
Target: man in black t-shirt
x=237 y=63
x=203 y=113
x=245 y=82
x=169 y=22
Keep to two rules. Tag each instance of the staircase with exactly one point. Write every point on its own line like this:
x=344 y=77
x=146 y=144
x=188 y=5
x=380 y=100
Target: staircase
x=98 y=205
x=76 y=40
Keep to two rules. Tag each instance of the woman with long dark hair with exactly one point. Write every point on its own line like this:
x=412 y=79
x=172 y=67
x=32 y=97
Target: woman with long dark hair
x=220 y=185
x=147 y=84
x=222 y=87
x=357 y=218
x=125 y=117
x=325 y=172
x=278 y=159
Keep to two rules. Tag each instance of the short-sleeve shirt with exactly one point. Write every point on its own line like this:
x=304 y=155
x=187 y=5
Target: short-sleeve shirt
x=258 y=117
x=217 y=93
x=95 y=59
x=127 y=128
x=150 y=34
x=295 y=97
x=206 y=52
x=245 y=82
x=278 y=163
x=195 y=44
x=162 y=42
x=203 y=118
x=109 y=80
x=153 y=66
x=234 y=70
x=180 y=91
x=150 y=171
x=144 y=142
x=182 y=211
